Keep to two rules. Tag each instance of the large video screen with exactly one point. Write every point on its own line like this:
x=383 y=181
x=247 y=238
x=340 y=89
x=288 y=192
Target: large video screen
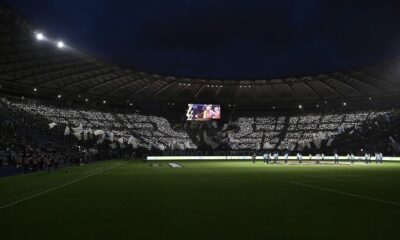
x=203 y=112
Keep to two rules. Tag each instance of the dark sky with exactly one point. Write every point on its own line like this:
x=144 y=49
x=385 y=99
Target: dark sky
x=223 y=39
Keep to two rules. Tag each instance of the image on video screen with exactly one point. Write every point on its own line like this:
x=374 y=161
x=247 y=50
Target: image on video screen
x=203 y=112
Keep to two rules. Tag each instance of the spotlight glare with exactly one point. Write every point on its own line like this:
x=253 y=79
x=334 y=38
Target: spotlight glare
x=59 y=95
x=35 y=89
x=60 y=44
x=300 y=106
x=344 y=103
x=39 y=36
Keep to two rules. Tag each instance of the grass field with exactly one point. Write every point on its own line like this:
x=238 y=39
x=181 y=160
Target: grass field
x=203 y=200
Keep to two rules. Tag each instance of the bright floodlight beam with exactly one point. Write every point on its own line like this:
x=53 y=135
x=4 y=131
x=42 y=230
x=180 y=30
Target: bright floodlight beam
x=39 y=36
x=60 y=44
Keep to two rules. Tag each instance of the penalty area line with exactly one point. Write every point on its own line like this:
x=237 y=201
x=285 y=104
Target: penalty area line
x=58 y=187
x=345 y=193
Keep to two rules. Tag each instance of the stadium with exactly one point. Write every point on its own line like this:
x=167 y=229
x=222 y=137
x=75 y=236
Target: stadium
x=92 y=149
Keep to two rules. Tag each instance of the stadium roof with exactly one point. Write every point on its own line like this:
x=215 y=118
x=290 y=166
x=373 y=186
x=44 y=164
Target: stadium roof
x=29 y=60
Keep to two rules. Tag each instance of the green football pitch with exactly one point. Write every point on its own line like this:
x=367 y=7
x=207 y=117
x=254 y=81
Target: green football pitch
x=203 y=200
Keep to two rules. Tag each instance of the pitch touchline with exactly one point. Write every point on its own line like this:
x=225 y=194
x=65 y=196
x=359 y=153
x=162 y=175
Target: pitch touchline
x=57 y=187
x=345 y=193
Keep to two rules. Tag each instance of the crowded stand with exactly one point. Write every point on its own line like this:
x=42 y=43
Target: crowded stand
x=149 y=131
x=300 y=132
x=77 y=134
x=26 y=146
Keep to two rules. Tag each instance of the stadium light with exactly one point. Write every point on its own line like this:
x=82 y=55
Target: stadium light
x=317 y=105
x=130 y=104
x=370 y=98
x=300 y=106
x=344 y=104
x=104 y=101
x=60 y=44
x=86 y=100
x=39 y=36
x=59 y=96
x=35 y=89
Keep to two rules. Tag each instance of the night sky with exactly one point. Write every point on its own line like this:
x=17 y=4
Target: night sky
x=223 y=39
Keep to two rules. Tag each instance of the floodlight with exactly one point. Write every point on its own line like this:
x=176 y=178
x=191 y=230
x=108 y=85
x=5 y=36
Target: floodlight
x=39 y=36
x=60 y=44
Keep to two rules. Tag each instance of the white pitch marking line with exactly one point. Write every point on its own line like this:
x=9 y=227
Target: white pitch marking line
x=57 y=187
x=345 y=193
x=94 y=170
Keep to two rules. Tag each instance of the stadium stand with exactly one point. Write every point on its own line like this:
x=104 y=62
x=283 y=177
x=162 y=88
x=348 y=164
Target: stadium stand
x=77 y=104
x=305 y=132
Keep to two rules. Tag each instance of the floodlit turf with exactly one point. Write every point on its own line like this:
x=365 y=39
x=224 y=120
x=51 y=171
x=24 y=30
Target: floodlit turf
x=203 y=200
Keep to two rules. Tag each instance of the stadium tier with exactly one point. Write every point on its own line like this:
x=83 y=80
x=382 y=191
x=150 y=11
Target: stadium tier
x=166 y=132
x=30 y=60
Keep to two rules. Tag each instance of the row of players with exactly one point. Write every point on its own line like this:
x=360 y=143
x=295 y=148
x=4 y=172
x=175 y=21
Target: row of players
x=269 y=157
